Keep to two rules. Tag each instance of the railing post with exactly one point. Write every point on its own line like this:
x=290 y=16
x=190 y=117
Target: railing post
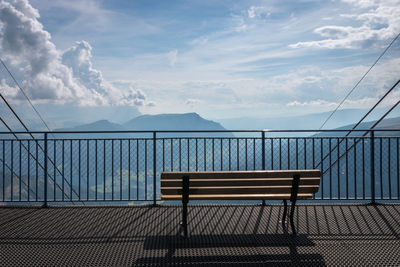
x=263 y=155
x=154 y=169
x=372 y=166
x=45 y=205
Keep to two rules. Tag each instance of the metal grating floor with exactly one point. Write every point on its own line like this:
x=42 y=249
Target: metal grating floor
x=219 y=235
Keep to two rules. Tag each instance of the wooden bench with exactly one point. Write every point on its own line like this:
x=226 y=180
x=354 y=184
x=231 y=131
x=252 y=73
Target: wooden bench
x=240 y=185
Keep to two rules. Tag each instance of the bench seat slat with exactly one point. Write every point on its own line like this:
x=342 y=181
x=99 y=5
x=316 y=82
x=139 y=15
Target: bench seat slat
x=239 y=190
x=240 y=182
x=241 y=174
x=237 y=197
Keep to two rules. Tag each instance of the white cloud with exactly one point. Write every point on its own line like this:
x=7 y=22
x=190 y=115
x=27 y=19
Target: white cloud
x=48 y=74
x=379 y=19
x=258 y=11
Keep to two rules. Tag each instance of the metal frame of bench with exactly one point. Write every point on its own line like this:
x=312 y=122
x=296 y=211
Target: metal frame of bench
x=293 y=199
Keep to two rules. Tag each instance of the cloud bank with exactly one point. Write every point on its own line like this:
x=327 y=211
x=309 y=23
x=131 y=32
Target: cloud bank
x=50 y=75
x=379 y=21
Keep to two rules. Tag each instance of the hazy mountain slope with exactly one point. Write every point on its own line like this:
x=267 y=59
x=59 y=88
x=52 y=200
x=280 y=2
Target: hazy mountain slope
x=101 y=125
x=309 y=121
x=391 y=123
x=187 y=121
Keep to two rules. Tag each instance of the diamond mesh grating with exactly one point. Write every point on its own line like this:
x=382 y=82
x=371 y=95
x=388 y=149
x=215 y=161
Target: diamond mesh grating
x=219 y=235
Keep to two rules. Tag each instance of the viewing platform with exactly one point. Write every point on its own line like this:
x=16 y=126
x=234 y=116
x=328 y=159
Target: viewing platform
x=223 y=235
x=93 y=198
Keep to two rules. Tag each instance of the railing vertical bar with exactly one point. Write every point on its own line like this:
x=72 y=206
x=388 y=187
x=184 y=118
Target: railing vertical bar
x=263 y=155
x=338 y=166
x=313 y=152
x=70 y=169
x=45 y=169
x=347 y=167
x=205 y=155
x=222 y=161
x=120 y=169
x=197 y=155
x=305 y=152
x=380 y=166
x=104 y=169
x=212 y=153
x=322 y=168
x=137 y=169
x=36 y=170
x=297 y=153
x=112 y=169
x=20 y=171
x=29 y=170
x=12 y=171
x=272 y=153
x=63 y=170
x=229 y=144
x=4 y=172
x=188 y=154
x=313 y=162
x=280 y=153
x=172 y=155
x=180 y=154
x=245 y=152
x=237 y=154
x=363 y=166
x=330 y=168
x=145 y=168
x=87 y=169
x=163 y=155
x=355 y=168
x=129 y=169
x=79 y=168
x=95 y=172
x=389 y=169
x=263 y=150
x=254 y=154
x=54 y=169
x=155 y=167
x=288 y=151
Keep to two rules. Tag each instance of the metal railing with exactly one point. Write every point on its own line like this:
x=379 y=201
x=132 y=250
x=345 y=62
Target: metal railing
x=100 y=166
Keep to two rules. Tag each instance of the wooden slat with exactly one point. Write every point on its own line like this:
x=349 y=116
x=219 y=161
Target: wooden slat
x=240 y=174
x=237 y=197
x=239 y=190
x=240 y=182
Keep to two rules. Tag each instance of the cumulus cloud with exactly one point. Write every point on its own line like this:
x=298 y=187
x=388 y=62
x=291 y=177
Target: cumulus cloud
x=48 y=74
x=379 y=19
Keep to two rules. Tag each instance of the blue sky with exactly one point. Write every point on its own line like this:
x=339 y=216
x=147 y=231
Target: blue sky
x=222 y=59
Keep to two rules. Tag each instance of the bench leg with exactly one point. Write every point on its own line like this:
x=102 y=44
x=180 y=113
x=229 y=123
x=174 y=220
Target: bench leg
x=284 y=211
x=291 y=217
x=185 y=200
x=184 y=219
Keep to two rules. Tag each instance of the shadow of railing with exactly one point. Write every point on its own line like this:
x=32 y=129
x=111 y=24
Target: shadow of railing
x=226 y=234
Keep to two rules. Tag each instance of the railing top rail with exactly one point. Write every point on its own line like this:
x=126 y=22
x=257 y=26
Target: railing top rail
x=204 y=131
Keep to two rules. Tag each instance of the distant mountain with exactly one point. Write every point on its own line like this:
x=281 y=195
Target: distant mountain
x=391 y=123
x=187 y=121
x=309 y=121
x=101 y=125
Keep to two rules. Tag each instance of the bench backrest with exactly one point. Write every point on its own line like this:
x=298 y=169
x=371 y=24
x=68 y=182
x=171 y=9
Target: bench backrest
x=240 y=185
